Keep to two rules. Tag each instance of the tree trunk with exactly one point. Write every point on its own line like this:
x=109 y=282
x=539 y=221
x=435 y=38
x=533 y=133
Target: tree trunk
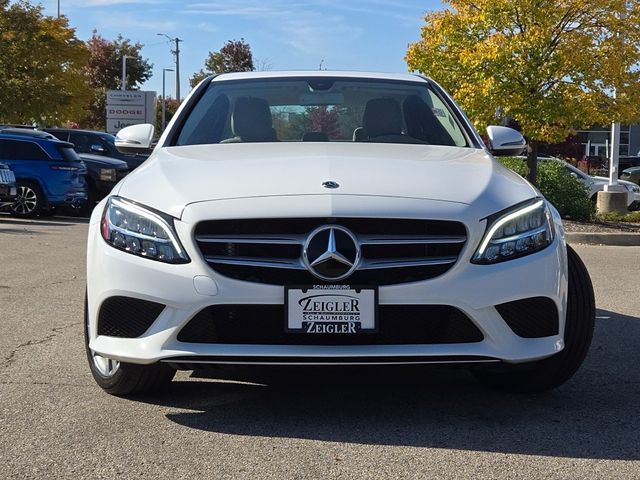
x=532 y=161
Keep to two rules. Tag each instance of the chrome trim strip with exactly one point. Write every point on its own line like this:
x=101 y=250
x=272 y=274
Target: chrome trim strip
x=409 y=239
x=402 y=263
x=287 y=263
x=264 y=239
x=328 y=363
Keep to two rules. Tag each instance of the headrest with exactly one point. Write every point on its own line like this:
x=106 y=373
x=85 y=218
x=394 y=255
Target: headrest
x=251 y=119
x=315 y=137
x=359 y=135
x=382 y=116
x=422 y=123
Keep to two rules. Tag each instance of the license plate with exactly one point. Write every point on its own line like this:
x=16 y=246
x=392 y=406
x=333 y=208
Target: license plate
x=331 y=309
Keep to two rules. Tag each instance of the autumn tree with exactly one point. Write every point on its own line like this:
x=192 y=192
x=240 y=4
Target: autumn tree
x=325 y=120
x=234 y=56
x=41 y=65
x=551 y=66
x=104 y=72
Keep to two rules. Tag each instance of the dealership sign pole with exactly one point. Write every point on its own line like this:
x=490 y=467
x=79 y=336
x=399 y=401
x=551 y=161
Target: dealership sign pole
x=129 y=107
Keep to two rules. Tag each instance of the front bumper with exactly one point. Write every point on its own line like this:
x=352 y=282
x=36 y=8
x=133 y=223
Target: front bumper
x=185 y=290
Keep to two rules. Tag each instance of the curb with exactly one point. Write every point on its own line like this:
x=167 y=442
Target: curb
x=613 y=239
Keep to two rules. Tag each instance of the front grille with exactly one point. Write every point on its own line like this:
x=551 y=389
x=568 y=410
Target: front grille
x=7 y=176
x=127 y=317
x=531 y=317
x=270 y=250
x=265 y=325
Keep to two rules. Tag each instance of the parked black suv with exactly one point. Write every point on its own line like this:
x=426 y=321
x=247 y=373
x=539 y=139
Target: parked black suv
x=95 y=143
x=8 y=187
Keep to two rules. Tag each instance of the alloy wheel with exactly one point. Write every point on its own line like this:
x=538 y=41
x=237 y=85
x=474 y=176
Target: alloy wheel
x=27 y=201
x=105 y=366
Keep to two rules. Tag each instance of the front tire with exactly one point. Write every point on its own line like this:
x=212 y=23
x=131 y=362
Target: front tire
x=578 y=331
x=123 y=379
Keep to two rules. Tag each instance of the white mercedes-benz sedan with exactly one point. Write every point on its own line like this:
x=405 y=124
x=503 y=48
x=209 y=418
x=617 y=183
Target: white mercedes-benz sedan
x=325 y=218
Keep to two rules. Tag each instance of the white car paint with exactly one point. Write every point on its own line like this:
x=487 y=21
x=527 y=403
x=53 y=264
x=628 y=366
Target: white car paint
x=284 y=180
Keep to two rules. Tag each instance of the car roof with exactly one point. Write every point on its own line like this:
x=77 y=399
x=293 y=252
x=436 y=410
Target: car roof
x=74 y=130
x=405 y=77
x=24 y=132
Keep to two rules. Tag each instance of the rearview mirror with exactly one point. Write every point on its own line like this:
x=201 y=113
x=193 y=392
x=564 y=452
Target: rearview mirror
x=505 y=141
x=135 y=138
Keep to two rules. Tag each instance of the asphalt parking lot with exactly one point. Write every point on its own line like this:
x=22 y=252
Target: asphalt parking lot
x=56 y=423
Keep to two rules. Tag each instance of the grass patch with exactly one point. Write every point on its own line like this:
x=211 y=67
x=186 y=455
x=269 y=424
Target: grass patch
x=631 y=217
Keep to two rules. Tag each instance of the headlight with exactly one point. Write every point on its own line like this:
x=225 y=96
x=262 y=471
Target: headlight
x=517 y=232
x=108 y=174
x=633 y=188
x=140 y=231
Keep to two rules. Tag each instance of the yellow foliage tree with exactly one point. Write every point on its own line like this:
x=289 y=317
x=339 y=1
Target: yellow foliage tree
x=41 y=67
x=552 y=65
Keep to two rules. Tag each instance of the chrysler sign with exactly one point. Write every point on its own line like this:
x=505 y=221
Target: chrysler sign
x=129 y=107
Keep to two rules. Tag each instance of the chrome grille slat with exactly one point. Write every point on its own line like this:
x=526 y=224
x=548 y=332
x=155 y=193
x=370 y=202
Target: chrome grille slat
x=292 y=264
x=409 y=239
x=270 y=250
x=257 y=239
x=408 y=262
x=7 y=176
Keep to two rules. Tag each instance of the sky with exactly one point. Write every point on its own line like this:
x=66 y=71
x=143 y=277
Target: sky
x=284 y=35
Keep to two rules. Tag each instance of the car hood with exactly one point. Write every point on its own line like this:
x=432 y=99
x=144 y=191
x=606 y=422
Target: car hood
x=175 y=177
x=102 y=161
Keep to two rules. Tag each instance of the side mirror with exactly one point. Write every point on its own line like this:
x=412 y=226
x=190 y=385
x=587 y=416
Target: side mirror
x=135 y=139
x=504 y=141
x=97 y=148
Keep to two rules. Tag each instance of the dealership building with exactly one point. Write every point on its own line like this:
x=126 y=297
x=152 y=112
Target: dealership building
x=595 y=141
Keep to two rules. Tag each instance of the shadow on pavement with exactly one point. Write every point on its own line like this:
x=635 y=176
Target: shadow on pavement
x=595 y=415
x=49 y=222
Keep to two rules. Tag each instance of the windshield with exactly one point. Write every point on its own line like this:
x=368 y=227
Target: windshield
x=321 y=110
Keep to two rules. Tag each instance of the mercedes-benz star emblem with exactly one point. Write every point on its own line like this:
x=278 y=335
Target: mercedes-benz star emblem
x=331 y=253
x=330 y=184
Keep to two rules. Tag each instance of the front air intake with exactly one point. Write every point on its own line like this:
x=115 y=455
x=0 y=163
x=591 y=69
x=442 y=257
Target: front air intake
x=531 y=317
x=127 y=317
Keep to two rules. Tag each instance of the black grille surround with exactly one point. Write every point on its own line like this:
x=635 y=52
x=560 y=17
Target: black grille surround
x=265 y=325
x=269 y=250
x=127 y=317
x=534 y=317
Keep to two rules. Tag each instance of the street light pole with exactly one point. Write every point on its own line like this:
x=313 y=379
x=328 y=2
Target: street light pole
x=164 y=98
x=58 y=8
x=176 y=52
x=124 y=71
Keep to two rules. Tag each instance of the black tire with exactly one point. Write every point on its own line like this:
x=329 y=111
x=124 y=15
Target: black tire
x=30 y=201
x=554 y=371
x=128 y=378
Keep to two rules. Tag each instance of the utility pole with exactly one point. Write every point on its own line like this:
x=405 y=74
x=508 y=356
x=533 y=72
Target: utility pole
x=177 y=40
x=58 y=8
x=164 y=98
x=176 y=52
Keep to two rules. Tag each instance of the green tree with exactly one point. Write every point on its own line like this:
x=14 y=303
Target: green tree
x=41 y=67
x=171 y=106
x=234 y=56
x=104 y=72
x=550 y=66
